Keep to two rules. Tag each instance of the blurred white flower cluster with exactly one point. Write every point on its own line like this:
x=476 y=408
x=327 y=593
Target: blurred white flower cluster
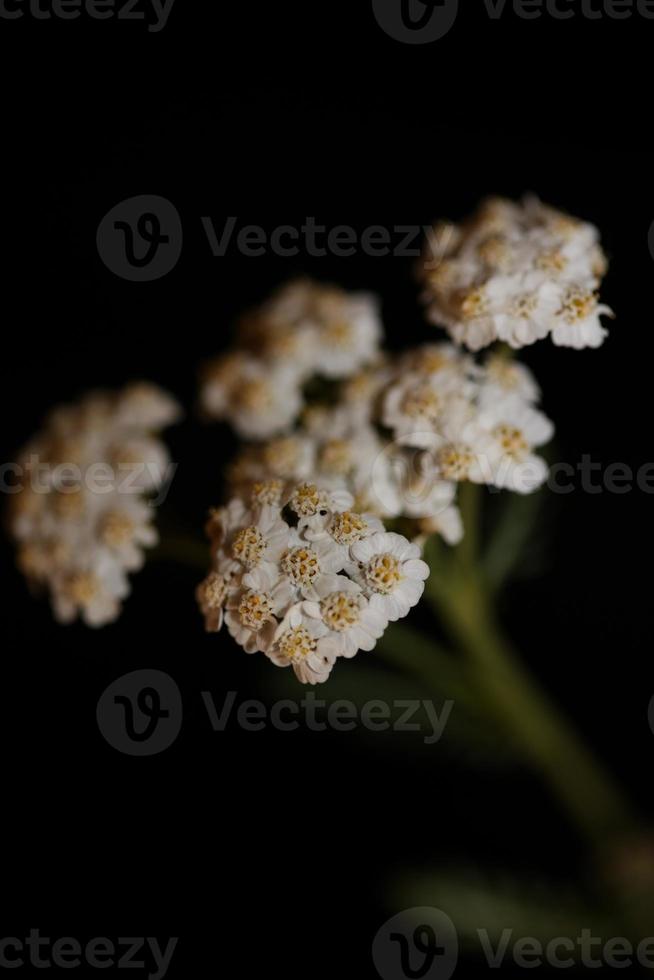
x=516 y=273
x=79 y=510
x=305 y=329
x=400 y=438
x=301 y=577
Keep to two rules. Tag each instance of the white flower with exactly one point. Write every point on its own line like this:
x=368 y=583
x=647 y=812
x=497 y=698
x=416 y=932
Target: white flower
x=527 y=316
x=296 y=644
x=92 y=589
x=145 y=406
x=577 y=321
x=352 y=622
x=124 y=528
x=252 y=609
x=348 y=332
x=259 y=542
x=503 y=376
x=414 y=407
x=311 y=566
x=211 y=595
x=391 y=573
x=264 y=402
x=504 y=452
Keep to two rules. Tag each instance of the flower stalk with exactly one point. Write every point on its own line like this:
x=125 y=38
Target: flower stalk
x=462 y=600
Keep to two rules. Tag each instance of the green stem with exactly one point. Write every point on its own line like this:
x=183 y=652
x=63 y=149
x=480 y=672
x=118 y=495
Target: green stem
x=463 y=601
x=588 y=793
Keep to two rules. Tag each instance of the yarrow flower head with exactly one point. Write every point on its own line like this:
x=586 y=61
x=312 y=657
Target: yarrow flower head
x=79 y=513
x=304 y=581
x=516 y=273
x=305 y=329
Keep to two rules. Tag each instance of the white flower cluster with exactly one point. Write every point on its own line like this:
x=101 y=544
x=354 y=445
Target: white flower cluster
x=79 y=511
x=401 y=438
x=475 y=422
x=305 y=329
x=305 y=591
x=516 y=273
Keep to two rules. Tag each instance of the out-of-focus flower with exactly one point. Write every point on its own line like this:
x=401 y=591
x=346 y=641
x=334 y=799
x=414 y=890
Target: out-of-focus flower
x=79 y=513
x=305 y=329
x=516 y=273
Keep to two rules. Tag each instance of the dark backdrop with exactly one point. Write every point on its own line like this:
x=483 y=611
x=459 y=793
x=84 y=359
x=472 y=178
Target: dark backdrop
x=262 y=851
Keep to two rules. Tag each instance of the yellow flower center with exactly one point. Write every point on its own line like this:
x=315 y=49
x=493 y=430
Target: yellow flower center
x=422 y=402
x=338 y=333
x=253 y=395
x=383 y=573
x=214 y=591
x=336 y=456
x=347 y=527
x=578 y=305
x=551 y=260
x=474 y=303
x=305 y=500
x=301 y=565
x=249 y=546
x=495 y=252
x=281 y=456
x=268 y=492
x=296 y=644
x=340 y=611
x=255 y=609
x=512 y=440
x=454 y=462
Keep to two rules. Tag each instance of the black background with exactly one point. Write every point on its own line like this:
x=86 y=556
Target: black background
x=269 y=852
